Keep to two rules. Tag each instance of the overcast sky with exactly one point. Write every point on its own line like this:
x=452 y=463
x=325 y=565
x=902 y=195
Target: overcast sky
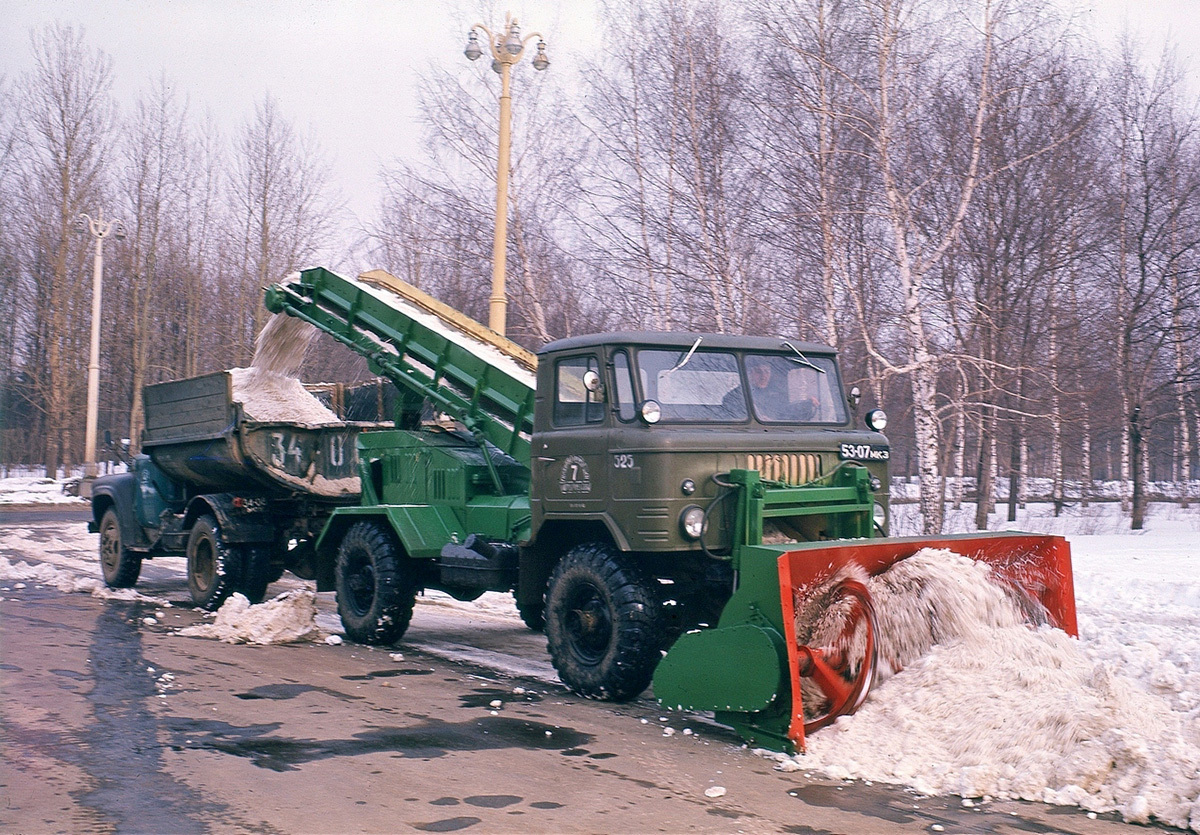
x=346 y=68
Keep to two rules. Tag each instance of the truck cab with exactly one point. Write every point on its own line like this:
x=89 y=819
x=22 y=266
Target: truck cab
x=630 y=430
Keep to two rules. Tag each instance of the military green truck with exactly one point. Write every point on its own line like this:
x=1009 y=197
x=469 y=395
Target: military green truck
x=640 y=494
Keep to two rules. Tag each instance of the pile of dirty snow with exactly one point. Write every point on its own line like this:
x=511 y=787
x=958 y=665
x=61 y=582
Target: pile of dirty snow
x=988 y=706
x=268 y=397
x=286 y=619
x=35 y=490
x=45 y=574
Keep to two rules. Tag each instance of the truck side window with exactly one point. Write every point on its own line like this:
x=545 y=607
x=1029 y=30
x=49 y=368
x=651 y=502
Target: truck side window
x=626 y=407
x=574 y=405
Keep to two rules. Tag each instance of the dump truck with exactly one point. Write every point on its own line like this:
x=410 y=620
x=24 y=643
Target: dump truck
x=665 y=506
x=240 y=497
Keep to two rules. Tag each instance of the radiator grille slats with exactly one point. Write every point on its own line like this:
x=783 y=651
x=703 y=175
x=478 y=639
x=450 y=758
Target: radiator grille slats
x=789 y=467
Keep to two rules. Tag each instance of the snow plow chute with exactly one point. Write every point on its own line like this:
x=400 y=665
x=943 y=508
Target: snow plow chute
x=756 y=672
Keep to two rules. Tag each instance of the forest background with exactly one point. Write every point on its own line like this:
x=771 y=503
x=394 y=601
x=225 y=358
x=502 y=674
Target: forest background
x=996 y=224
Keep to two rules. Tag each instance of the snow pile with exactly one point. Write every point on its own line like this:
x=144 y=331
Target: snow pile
x=996 y=708
x=45 y=574
x=288 y=618
x=269 y=397
x=32 y=490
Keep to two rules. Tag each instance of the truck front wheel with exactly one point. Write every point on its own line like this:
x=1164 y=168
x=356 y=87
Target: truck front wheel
x=603 y=623
x=119 y=565
x=375 y=588
x=211 y=567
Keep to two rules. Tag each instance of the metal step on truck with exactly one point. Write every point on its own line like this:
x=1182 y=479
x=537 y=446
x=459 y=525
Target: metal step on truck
x=640 y=494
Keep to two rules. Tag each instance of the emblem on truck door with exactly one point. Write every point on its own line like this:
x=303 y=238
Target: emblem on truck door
x=574 y=478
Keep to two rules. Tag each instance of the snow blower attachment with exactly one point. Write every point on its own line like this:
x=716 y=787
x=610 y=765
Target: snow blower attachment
x=798 y=644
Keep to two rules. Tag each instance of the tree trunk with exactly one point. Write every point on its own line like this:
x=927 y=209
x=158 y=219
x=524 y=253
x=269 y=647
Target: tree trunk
x=1135 y=440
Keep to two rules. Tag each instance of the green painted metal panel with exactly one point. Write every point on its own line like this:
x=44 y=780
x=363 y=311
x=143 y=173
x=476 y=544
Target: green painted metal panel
x=424 y=529
x=734 y=669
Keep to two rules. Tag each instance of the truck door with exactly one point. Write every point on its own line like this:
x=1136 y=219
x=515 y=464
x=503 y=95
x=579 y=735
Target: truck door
x=572 y=456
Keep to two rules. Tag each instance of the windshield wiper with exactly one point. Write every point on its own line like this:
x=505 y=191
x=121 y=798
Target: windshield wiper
x=803 y=359
x=686 y=357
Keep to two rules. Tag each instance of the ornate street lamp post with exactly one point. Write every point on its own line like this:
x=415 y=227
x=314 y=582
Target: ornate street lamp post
x=506 y=47
x=99 y=229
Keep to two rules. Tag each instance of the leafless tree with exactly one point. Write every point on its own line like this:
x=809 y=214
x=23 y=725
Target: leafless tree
x=64 y=118
x=280 y=197
x=1155 y=188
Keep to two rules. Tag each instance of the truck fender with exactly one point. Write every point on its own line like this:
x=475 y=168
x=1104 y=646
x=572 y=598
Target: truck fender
x=236 y=516
x=120 y=493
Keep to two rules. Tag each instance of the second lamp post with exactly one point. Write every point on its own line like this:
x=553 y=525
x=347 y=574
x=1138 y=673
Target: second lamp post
x=506 y=47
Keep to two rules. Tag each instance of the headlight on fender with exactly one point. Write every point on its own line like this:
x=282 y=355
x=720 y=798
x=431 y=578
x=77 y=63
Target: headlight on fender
x=692 y=522
x=877 y=419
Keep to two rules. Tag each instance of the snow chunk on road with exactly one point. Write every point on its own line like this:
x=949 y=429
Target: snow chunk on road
x=288 y=618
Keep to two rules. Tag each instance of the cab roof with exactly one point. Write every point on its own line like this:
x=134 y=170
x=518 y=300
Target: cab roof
x=684 y=340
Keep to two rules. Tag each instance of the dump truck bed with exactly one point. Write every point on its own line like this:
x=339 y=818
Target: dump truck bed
x=225 y=432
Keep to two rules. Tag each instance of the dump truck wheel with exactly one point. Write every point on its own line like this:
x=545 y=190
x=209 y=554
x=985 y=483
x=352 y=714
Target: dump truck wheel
x=602 y=623
x=375 y=589
x=118 y=564
x=256 y=571
x=211 y=567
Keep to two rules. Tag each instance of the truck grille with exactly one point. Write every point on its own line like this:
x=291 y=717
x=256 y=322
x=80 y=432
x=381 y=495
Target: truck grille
x=789 y=467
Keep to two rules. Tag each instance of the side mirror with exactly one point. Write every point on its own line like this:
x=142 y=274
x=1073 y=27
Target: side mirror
x=591 y=381
x=855 y=397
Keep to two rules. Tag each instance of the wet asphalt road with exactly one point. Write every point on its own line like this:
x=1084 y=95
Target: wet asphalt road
x=113 y=724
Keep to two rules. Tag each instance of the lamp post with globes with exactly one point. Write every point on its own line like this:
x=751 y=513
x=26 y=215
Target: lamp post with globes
x=506 y=47
x=99 y=229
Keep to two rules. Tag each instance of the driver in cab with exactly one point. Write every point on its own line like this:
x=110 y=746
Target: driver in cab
x=770 y=396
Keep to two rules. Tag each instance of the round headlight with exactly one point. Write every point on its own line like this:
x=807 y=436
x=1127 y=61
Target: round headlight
x=691 y=522
x=877 y=419
x=651 y=412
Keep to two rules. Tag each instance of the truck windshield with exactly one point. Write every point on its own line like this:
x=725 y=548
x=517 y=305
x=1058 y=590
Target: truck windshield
x=707 y=387
x=710 y=387
x=794 y=389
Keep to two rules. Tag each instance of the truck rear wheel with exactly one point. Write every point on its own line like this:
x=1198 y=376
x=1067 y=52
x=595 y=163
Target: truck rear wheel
x=211 y=567
x=602 y=623
x=255 y=570
x=118 y=564
x=375 y=588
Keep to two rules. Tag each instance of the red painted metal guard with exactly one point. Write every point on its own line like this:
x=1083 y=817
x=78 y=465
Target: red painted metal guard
x=1038 y=563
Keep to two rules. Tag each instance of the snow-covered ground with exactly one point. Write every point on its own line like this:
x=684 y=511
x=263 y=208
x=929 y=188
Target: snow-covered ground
x=1108 y=722
x=35 y=490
